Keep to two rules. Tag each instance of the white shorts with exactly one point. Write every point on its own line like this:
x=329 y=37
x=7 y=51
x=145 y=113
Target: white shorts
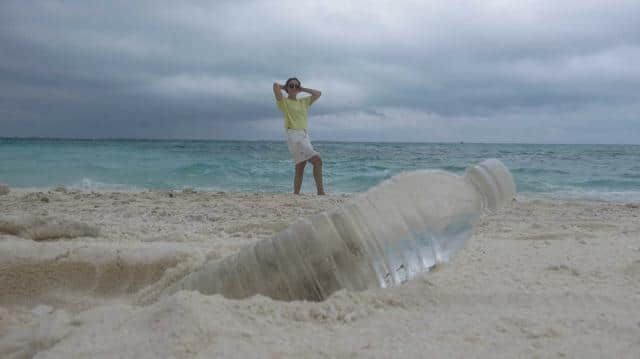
x=300 y=145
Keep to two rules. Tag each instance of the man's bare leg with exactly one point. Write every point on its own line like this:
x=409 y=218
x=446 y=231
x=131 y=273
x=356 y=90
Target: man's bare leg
x=316 y=161
x=297 y=179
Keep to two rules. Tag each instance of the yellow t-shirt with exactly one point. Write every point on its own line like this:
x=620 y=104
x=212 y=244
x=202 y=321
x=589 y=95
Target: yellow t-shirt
x=295 y=112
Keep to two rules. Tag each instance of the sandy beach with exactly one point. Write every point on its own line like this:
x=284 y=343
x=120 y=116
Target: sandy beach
x=81 y=275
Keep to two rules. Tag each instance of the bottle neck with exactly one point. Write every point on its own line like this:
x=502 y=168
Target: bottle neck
x=493 y=181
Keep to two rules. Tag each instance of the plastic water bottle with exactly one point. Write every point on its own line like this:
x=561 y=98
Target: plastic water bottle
x=379 y=239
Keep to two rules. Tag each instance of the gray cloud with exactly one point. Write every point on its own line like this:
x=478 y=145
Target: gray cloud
x=411 y=71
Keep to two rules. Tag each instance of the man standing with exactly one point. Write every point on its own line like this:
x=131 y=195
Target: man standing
x=294 y=111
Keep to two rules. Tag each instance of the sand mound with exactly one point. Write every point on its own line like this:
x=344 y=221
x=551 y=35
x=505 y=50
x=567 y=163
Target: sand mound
x=46 y=228
x=54 y=275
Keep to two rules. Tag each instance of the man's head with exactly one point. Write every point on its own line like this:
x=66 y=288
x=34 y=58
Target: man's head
x=292 y=85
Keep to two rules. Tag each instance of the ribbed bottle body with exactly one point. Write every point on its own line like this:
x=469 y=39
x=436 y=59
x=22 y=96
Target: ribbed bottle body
x=381 y=238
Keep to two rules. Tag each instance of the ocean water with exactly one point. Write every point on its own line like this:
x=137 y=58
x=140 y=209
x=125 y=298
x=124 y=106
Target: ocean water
x=605 y=172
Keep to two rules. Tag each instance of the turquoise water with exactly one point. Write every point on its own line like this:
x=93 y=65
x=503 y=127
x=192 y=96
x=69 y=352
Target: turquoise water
x=608 y=172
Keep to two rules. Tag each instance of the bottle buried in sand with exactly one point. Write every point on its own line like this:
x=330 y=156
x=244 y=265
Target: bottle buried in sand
x=381 y=238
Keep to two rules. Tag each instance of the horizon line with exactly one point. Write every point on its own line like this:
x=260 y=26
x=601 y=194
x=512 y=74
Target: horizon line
x=315 y=141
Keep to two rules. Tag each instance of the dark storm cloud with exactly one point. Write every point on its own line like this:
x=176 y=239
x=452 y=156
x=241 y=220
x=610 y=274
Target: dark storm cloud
x=418 y=71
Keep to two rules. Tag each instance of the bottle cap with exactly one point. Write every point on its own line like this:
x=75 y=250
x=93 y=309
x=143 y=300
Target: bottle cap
x=494 y=182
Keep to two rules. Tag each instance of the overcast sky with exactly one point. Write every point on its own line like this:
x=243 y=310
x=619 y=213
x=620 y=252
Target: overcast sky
x=543 y=71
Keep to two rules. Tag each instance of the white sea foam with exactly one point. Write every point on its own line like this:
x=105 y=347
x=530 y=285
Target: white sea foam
x=582 y=194
x=89 y=184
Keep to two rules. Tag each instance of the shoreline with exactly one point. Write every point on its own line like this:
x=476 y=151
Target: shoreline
x=594 y=196
x=189 y=190
x=540 y=277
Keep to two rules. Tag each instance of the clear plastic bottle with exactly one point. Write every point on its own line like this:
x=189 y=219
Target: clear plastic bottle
x=381 y=238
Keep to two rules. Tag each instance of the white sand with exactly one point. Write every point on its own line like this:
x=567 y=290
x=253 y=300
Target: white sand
x=80 y=274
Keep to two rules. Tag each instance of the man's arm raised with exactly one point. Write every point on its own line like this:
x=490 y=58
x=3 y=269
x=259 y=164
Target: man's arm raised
x=277 y=91
x=315 y=94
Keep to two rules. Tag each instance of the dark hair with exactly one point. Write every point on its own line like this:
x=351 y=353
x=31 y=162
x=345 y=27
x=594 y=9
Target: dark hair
x=286 y=84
